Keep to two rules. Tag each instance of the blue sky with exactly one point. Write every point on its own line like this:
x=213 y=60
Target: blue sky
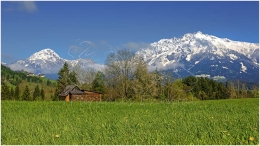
x=99 y=27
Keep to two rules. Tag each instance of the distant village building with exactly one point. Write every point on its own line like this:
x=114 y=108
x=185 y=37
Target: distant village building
x=203 y=76
x=41 y=75
x=30 y=74
x=219 y=78
x=73 y=93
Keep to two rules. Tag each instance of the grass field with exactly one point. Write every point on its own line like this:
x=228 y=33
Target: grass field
x=200 y=122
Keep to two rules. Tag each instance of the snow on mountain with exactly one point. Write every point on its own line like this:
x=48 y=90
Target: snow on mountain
x=45 y=55
x=196 y=53
x=191 y=54
x=48 y=62
x=191 y=44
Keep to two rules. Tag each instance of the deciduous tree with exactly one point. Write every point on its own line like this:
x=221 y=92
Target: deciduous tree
x=144 y=84
x=119 y=72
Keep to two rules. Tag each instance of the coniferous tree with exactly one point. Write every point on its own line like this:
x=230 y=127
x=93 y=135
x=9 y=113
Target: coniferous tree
x=73 y=78
x=17 y=92
x=190 y=82
x=11 y=94
x=54 y=97
x=5 y=91
x=65 y=78
x=36 y=93
x=48 y=82
x=98 y=83
x=26 y=94
x=42 y=94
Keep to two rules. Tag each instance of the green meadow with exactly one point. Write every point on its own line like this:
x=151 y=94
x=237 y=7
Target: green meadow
x=200 y=122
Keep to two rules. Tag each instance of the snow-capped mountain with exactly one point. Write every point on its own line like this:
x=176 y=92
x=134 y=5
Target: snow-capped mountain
x=191 y=54
x=44 y=61
x=198 y=53
x=48 y=62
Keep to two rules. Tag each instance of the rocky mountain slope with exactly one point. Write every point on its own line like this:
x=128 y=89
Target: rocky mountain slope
x=198 y=53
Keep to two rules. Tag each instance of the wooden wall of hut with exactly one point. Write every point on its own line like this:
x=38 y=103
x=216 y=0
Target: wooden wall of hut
x=93 y=96
x=67 y=97
x=78 y=98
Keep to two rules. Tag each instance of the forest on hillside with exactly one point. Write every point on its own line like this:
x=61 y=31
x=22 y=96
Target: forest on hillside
x=125 y=77
x=18 y=85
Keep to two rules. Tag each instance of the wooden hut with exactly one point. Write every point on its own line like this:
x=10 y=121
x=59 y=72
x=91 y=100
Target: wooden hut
x=73 y=93
x=92 y=95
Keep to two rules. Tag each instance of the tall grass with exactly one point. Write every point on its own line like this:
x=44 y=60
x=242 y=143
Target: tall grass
x=200 y=122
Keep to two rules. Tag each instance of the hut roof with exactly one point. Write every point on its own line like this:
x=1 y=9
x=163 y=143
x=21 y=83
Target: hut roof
x=92 y=91
x=72 y=89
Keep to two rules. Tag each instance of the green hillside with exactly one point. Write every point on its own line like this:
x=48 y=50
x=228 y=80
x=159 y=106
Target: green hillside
x=10 y=80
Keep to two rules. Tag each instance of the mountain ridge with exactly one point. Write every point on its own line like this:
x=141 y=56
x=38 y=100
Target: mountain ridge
x=190 y=53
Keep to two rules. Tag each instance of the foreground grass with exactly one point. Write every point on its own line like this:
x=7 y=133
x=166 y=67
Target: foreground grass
x=201 y=122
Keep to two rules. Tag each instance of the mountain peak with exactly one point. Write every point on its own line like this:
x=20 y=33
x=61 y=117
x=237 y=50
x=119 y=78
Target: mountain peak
x=200 y=35
x=199 y=32
x=45 y=54
x=46 y=50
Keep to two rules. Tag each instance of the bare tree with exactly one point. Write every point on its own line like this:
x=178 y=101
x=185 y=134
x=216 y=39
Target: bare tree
x=119 y=72
x=255 y=92
x=84 y=75
x=232 y=90
x=144 y=84
x=243 y=90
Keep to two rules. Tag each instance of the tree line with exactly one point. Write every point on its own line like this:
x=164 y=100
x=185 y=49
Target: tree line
x=10 y=93
x=126 y=77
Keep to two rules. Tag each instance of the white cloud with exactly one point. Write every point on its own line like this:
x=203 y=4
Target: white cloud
x=49 y=70
x=25 y=6
x=136 y=46
x=29 y=6
x=89 y=43
x=96 y=66
x=161 y=67
x=19 y=67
